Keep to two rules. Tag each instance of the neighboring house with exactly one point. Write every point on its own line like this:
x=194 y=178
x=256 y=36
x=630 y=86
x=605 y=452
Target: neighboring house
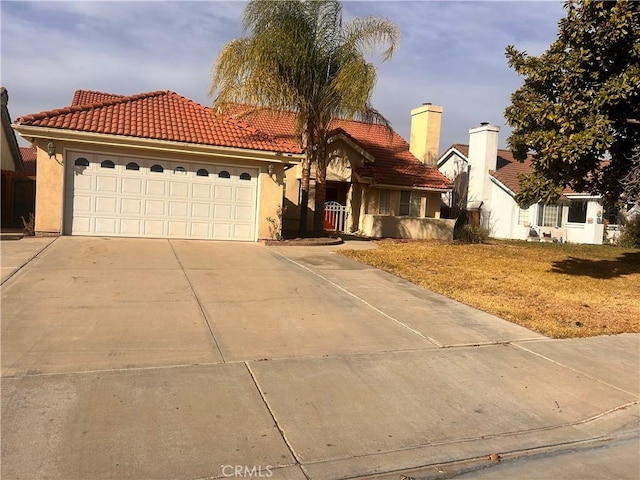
x=385 y=186
x=492 y=181
x=18 y=186
x=160 y=165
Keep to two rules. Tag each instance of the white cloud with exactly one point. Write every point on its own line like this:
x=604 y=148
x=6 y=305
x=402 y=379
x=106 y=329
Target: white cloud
x=451 y=54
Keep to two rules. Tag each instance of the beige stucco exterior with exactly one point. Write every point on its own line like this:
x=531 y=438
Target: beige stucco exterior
x=424 y=141
x=387 y=226
x=50 y=193
x=362 y=201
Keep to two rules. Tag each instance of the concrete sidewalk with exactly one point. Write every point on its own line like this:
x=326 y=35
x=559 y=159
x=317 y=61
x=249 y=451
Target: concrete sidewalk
x=16 y=251
x=141 y=359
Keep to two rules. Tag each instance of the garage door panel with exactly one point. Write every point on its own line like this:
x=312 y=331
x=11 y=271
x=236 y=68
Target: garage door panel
x=131 y=206
x=181 y=201
x=222 y=230
x=243 y=212
x=222 y=212
x=82 y=225
x=179 y=189
x=82 y=203
x=106 y=184
x=82 y=182
x=201 y=191
x=223 y=192
x=154 y=228
x=154 y=207
x=106 y=225
x=199 y=230
x=178 y=229
x=131 y=226
x=200 y=210
x=179 y=209
x=156 y=187
x=106 y=205
x=243 y=231
x=132 y=185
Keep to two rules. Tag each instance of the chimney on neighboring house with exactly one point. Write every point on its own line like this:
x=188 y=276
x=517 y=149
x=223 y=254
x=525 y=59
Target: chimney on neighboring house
x=483 y=156
x=425 y=133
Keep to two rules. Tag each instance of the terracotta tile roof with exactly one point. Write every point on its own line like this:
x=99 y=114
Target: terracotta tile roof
x=29 y=155
x=393 y=163
x=161 y=115
x=85 y=97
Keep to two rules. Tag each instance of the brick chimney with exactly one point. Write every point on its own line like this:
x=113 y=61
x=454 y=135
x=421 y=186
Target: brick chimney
x=483 y=156
x=425 y=133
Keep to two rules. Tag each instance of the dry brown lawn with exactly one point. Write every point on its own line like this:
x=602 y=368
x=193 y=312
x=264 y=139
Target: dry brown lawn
x=559 y=290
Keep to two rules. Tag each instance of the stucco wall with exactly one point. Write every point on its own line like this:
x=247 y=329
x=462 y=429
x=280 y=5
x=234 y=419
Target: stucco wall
x=384 y=226
x=50 y=190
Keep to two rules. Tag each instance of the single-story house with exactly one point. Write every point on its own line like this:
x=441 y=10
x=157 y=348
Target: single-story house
x=488 y=177
x=17 y=178
x=160 y=165
x=384 y=186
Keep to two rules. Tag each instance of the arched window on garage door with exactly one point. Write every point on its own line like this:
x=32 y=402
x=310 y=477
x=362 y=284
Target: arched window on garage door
x=157 y=168
x=132 y=166
x=203 y=172
x=107 y=164
x=81 y=162
x=224 y=174
x=245 y=176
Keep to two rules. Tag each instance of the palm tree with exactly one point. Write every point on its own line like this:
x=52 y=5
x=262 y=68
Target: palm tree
x=299 y=57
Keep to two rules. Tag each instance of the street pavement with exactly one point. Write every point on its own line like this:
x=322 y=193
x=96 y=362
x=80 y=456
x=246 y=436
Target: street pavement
x=176 y=359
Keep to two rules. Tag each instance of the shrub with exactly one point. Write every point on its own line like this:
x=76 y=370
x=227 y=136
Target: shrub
x=473 y=234
x=630 y=234
x=29 y=225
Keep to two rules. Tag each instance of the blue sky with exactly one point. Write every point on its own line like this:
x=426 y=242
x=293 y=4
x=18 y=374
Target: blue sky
x=451 y=53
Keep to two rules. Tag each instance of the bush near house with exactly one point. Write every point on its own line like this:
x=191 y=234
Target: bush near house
x=559 y=290
x=630 y=234
x=473 y=234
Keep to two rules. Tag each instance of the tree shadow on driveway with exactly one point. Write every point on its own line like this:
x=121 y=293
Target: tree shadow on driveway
x=626 y=264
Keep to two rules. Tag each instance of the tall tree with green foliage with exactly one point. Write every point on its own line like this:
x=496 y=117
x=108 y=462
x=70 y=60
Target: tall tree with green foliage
x=299 y=56
x=580 y=103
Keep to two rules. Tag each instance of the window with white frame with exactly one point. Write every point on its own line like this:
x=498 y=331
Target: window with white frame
x=577 y=211
x=549 y=215
x=384 y=202
x=523 y=216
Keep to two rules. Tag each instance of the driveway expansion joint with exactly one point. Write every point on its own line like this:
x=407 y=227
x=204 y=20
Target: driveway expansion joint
x=573 y=369
x=341 y=288
x=200 y=307
x=273 y=417
x=28 y=261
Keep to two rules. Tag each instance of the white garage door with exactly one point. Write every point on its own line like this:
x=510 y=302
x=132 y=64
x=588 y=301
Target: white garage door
x=139 y=197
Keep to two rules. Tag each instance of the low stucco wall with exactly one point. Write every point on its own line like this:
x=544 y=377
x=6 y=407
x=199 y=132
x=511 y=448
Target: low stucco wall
x=414 y=228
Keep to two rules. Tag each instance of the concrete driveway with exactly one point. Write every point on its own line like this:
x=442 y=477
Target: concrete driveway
x=154 y=359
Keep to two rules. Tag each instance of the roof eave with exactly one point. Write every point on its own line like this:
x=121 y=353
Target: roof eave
x=353 y=144
x=31 y=132
x=414 y=187
x=502 y=185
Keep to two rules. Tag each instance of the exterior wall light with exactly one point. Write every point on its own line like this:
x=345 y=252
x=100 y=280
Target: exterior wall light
x=51 y=149
x=270 y=169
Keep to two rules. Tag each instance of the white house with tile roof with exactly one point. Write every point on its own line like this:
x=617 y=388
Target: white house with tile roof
x=492 y=184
